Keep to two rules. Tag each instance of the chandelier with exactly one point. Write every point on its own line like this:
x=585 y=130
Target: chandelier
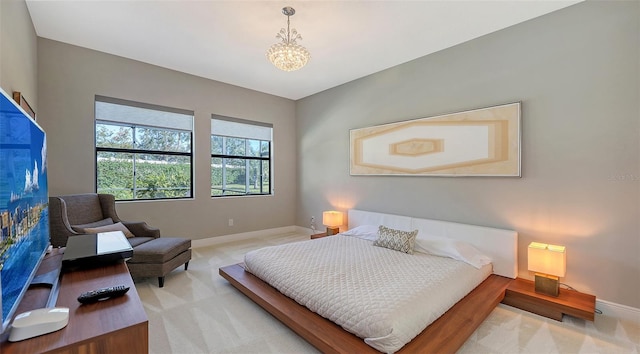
x=288 y=55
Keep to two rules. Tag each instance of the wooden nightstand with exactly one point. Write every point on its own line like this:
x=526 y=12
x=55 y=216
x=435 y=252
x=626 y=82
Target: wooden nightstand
x=320 y=235
x=521 y=294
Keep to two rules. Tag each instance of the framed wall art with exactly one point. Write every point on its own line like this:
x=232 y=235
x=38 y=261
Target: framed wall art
x=479 y=142
x=22 y=102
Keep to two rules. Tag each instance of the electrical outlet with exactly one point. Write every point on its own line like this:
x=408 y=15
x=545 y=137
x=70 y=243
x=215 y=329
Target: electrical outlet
x=230 y=222
x=313 y=223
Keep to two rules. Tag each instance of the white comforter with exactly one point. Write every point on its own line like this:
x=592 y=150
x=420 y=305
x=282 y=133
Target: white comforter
x=384 y=296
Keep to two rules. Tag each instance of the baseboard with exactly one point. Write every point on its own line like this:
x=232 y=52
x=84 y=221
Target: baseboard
x=618 y=311
x=210 y=241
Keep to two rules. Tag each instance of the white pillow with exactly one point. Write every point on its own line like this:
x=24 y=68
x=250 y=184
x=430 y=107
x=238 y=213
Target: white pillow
x=366 y=232
x=103 y=222
x=446 y=247
x=113 y=227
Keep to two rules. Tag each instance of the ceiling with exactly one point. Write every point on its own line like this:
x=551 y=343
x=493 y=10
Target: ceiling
x=226 y=40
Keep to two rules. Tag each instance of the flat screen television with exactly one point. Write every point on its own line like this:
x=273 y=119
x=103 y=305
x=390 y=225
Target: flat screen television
x=24 y=204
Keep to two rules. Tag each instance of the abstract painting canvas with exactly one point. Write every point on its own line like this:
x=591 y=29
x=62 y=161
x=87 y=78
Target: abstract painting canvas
x=479 y=142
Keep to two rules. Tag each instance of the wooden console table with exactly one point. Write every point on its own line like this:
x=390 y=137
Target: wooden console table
x=118 y=325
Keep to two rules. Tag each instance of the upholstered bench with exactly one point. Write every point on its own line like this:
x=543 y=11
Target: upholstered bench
x=158 y=257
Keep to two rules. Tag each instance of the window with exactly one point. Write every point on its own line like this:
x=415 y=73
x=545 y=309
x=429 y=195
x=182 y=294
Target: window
x=240 y=157
x=143 y=151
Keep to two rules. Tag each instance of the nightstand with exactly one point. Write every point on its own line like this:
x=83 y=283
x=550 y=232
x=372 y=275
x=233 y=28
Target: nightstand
x=320 y=235
x=521 y=294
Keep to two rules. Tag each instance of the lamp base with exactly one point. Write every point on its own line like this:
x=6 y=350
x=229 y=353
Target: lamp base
x=332 y=231
x=547 y=284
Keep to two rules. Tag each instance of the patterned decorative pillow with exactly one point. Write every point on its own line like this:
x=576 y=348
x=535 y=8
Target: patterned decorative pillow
x=398 y=240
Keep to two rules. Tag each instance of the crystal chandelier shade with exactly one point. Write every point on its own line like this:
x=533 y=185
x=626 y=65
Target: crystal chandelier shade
x=288 y=55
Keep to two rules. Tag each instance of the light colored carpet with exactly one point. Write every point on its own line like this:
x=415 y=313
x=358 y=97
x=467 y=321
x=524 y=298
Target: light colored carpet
x=197 y=311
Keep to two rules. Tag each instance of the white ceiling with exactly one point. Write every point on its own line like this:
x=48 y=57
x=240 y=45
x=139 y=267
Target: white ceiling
x=227 y=40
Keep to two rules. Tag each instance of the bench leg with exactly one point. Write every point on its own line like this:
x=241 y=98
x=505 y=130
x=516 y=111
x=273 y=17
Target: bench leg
x=161 y=279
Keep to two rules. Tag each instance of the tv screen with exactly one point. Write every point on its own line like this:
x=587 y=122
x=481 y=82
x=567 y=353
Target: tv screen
x=24 y=218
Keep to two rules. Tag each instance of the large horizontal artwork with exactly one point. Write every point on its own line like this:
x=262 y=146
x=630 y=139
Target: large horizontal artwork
x=480 y=142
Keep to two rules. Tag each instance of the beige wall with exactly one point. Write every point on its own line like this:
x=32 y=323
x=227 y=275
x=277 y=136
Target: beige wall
x=69 y=78
x=18 y=51
x=576 y=72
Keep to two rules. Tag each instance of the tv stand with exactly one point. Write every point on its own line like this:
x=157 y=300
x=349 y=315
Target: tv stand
x=49 y=280
x=93 y=328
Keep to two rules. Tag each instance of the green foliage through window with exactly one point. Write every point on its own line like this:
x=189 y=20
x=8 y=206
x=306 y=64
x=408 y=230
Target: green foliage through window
x=134 y=161
x=240 y=166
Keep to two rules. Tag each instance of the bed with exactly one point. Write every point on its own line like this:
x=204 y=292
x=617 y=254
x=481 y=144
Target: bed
x=446 y=334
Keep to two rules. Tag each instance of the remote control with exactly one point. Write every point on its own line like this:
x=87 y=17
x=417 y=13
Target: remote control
x=101 y=294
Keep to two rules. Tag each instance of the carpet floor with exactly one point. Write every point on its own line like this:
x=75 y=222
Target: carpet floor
x=197 y=311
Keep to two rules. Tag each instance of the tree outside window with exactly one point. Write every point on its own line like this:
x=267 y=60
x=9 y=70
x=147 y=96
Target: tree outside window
x=240 y=157
x=137 y=160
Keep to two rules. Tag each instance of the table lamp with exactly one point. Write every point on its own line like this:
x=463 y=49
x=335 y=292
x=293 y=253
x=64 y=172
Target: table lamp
x=332 y=220
x=549 y=264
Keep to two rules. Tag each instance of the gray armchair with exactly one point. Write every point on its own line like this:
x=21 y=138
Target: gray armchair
x=153 y=256
x=69 y=214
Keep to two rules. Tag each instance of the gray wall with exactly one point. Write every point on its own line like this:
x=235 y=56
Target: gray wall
x=18 y=51
x=576 y=72
x=69 y=78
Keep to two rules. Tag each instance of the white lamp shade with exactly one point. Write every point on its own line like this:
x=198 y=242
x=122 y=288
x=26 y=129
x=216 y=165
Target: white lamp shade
x=547 y=259
x=332 y=218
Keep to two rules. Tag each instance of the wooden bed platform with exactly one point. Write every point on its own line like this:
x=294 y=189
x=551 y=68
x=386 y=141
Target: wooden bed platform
x=445 y=335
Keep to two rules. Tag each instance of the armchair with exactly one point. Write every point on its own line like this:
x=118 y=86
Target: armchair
x=69 y=214
x=153 y=256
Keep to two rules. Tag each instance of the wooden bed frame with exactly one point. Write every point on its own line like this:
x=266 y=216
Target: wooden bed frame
x=445 y=335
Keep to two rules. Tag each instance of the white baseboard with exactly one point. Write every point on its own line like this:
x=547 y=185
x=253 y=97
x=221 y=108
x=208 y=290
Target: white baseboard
x=248 y=235
x=608 y=308
x=618 y=311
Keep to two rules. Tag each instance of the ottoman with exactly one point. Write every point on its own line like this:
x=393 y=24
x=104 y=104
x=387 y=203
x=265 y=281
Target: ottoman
x=158 y=257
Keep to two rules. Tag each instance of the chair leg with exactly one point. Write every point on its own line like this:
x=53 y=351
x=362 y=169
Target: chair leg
x=160 y=282
x=186 y=265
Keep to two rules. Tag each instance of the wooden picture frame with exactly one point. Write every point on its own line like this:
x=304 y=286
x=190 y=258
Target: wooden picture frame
x=22 y=102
